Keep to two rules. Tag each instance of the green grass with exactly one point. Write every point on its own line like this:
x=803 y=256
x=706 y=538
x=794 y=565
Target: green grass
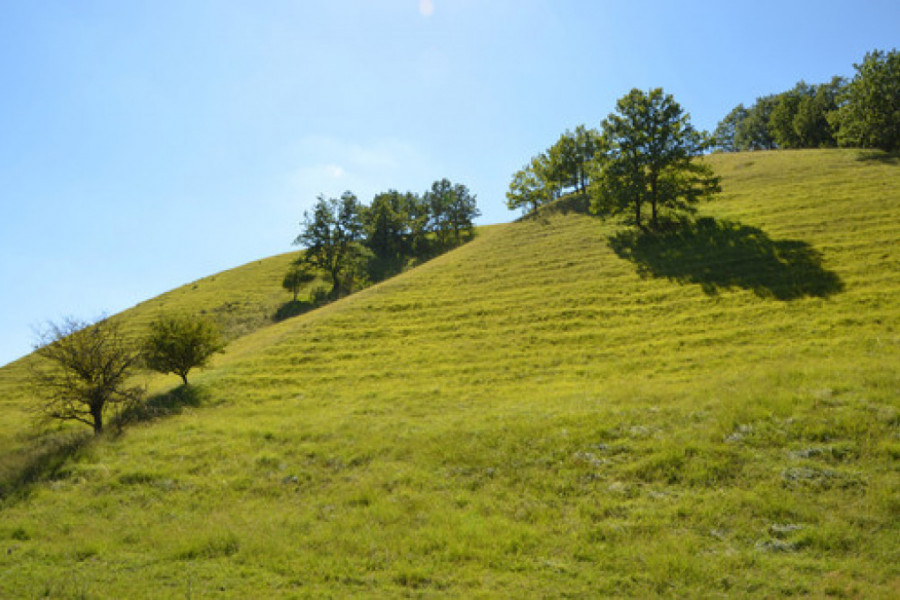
x=558 y=408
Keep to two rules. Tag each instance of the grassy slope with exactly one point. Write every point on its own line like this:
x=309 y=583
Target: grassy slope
x=553 y=408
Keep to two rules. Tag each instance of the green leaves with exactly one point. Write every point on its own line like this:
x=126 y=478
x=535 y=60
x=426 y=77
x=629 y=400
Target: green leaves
x=649 y=144
x=869 y=116
x=178 y=343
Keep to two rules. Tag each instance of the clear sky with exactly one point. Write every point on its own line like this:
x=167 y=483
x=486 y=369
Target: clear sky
x=146 y=144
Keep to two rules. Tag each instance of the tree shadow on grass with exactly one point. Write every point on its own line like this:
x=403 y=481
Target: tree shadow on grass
x=48 y=455
x=44 y=460
x=887 y=158
x=290 y=309
x=165 y=404
x=721 y=255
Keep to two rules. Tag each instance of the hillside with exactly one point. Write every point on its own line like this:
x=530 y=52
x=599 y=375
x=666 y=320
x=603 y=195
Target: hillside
x=559 y=407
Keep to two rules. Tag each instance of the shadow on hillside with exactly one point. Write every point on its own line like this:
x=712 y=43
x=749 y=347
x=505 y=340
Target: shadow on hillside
x=887 y=158
x=45 y=460
x=292 y=308
x=168 y=403
x=721 y=255
x=573 y=203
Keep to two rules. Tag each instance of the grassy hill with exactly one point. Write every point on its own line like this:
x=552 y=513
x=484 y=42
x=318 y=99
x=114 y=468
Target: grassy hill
x=560 y=407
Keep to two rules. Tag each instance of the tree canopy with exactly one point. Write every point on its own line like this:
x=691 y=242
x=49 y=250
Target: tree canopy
x=869 y=112
x=178 y=343
x=863 y=113
x=649 y=147
x=85 y=369
x=332 y=234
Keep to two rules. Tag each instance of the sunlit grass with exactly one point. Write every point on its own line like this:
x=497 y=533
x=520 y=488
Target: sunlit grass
x=544 y=412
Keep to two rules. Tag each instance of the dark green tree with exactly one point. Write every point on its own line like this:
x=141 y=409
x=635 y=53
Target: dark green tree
x=178 y=343
x=452 y=210
x=332 y=235
x=390 y=223
x=650 y=147
x=84 y=369
x=463 y=212
x=752 y=132
x=781 y=119
x=724 y=135
x=869 y=112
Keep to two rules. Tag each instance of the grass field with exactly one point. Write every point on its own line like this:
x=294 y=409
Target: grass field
x=561 y=407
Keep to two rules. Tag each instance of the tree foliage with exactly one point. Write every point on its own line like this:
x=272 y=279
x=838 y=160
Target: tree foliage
x=332 y=234
x=863 y=113
x=564 y=166
x=85 y=369
x=650 y=145
x=869 y=112
x=352 y=243
x=453 y=211
x=178 y=343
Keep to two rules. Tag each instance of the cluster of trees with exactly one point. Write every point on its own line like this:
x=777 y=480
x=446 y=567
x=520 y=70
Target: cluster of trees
x=351 y=243
x=643 y=155
x=562 y=168
x=864 y=112
x=89 y=368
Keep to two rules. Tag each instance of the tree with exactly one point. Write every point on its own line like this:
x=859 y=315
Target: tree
x=296 y=277
x=781 y=119
x=463 y=211
x=86 y=368
x=727 y=129
x=390 y=224
x=650 y=146
x=332 y=236
x=752 y=132
x=526 y=190
x=569 y=157
x=869 y=112
x=452 y=209
x=178 y=343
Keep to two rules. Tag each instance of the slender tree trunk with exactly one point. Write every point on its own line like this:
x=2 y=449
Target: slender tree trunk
x=637 y=212
x=97 y=416
x=184 y=378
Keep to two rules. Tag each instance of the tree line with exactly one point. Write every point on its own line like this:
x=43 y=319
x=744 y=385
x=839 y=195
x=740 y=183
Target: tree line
x=643 y=155
x=863 y=112
x=351 y=244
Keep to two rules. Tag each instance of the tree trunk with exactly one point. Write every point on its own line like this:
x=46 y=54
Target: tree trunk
x=637 y=213
x=184 y=378
x=97 y=416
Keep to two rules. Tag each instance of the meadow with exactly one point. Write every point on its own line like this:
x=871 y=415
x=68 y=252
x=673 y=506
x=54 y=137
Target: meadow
x=562 y=407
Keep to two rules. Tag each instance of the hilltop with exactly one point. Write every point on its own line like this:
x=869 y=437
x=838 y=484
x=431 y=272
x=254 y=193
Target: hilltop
x=560 y=406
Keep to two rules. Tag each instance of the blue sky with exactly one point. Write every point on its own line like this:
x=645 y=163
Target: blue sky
x=144 y=145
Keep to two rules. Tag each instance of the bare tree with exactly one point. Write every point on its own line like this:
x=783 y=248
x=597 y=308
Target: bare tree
x=86 y=368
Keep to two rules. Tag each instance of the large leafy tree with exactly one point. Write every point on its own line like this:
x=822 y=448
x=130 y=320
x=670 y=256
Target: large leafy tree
x=178 y=343
x=331 y=235
x=648 y=158
x=869 y=115
x=85 y=369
